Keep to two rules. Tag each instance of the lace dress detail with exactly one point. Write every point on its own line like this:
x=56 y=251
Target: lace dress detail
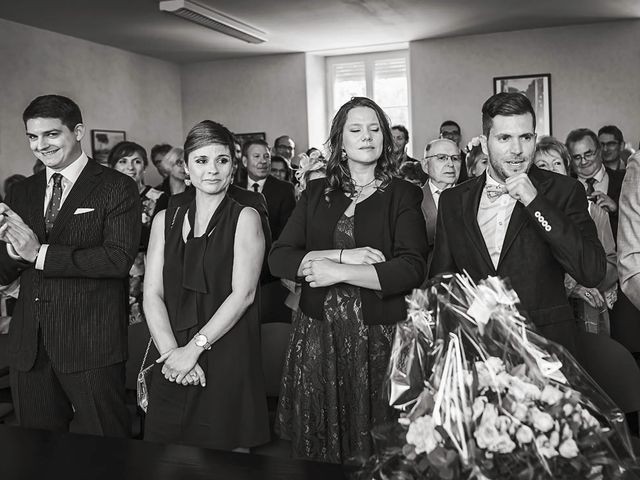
x=331 y=394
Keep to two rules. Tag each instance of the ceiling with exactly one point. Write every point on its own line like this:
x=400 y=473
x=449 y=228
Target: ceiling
x=326 y=26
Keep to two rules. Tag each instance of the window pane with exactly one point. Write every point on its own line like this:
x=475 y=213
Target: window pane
x=398 y=115
x=390 y=82
x=349 y=81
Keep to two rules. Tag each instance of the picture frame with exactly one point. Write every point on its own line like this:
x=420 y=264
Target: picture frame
x=537 y=88
x=243 y=137
x=102 y=141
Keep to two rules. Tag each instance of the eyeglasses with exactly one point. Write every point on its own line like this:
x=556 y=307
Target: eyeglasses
x=443 y=157
x=611 y=144
x=588 y=155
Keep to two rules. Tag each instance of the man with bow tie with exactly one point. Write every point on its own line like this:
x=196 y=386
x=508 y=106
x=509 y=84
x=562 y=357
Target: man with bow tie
x=70 y=234
x=519 y=222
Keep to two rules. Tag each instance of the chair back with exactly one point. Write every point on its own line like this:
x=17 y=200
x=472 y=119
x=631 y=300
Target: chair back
x=275 y=340
x=612 y=367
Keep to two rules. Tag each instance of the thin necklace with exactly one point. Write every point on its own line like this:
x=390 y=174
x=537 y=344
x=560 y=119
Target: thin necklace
x=360 y=189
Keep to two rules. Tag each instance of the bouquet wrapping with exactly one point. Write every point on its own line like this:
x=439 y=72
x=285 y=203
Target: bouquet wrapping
x=481 y=395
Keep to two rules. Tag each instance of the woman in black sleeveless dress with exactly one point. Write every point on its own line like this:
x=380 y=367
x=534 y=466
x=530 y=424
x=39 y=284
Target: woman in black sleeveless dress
x=204 y=261
x=358 y=241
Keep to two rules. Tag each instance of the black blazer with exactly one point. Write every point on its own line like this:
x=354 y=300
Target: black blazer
x=533 y=258
x=615 y=187
x=390 y=221
x=79 y=301
x=281 y=201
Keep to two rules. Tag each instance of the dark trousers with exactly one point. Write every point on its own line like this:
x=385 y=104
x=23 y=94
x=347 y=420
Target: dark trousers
x=48 y=399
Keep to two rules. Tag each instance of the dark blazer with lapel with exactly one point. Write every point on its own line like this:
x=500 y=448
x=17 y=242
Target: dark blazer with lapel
x=79 y=300
x=615 y=187
x=533 y=259
x=281 y=201
x=390 y=221
x=430 y=212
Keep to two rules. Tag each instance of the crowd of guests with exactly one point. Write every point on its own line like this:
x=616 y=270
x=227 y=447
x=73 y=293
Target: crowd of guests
x=242 y=234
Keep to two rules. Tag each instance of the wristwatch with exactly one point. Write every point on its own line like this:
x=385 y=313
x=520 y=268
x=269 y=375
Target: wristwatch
x=201 y=340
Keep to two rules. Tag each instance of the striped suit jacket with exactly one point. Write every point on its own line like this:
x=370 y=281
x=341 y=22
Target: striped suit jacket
x=79 y=300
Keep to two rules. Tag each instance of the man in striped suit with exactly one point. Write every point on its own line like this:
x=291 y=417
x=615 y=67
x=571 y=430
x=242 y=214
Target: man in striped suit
x=70 y=233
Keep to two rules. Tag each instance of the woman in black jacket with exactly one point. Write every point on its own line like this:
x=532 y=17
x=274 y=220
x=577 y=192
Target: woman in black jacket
x=357 y=239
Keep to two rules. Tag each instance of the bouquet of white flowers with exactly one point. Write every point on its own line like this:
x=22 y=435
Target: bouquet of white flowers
x=481 y=395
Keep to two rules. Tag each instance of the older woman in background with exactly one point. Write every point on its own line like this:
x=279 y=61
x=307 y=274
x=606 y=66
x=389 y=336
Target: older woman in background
x=131 y=159
x=173 y=163
x=357 y=240
x=591 y=305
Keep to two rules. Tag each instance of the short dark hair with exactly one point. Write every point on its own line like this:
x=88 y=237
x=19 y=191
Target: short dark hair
x=253 y=141
x=450 y=123
x=403 y=129
x=54 y=106
x=126 y=149
x=206 y=133
x=612 y=130
x=507 y=104
x=281 y=137
x=580 y=133
x=160 y=149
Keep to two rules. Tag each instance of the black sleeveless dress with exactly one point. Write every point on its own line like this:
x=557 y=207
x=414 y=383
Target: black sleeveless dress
x=231 y=411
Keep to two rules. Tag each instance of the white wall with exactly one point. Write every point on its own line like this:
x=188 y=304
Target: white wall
x=317 y=100
x=254 y=94
x=594 y=70
x=115 y=89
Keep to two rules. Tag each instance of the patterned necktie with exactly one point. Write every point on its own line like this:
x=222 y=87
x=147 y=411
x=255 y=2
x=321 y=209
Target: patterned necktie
x=54 y=204
x=494 y=191
x=256 y=187
x=590 y=182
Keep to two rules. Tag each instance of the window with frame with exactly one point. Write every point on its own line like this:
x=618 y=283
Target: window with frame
x=381 y=76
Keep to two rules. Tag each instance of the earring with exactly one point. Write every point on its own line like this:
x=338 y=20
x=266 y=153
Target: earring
x=343 y=158
x=187 y=179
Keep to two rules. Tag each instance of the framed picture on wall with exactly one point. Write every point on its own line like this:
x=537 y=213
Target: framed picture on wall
x=102 y=141
x=243 y=137
x=538 y=89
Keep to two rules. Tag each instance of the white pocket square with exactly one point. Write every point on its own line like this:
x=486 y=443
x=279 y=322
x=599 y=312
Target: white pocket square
x=80 y=211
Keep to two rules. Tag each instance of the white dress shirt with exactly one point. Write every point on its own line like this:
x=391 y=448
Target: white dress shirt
x=602 y=181
x=493 y=220
x=70 y=176
x=259 y=182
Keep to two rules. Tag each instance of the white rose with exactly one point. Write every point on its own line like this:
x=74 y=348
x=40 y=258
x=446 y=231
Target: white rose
x=545 y=449
x=541 y=420
x=551 y=395
x=478 y=406
x=423 y=435
x=524 y=434
x=568 y=448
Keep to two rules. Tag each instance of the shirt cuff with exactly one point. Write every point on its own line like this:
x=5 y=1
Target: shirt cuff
x=42 y=253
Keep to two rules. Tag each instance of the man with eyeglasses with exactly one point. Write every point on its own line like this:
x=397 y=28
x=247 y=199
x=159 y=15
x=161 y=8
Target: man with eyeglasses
x=441 y=163
x=285 y=147
x=612 y=144
x=519 y=222
x=601 y=184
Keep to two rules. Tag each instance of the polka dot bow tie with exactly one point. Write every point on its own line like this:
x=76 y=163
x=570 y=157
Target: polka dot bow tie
x=493 y=192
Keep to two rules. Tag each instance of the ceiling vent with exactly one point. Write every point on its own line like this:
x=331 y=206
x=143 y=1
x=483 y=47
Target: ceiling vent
x=207 y=17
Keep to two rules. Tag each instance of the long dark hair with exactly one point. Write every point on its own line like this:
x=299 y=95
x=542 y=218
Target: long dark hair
x=338 y=174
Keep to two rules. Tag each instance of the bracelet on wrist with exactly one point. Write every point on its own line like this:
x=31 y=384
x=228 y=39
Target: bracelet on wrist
x=341 y=250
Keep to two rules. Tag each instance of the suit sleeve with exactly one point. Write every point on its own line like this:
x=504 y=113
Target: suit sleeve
x=286 y=208
x=121 y=236
x=407 y=268
x=571 y=235
x=629 y=232
x=10 y=268
x=442 y=258
x=291 y=246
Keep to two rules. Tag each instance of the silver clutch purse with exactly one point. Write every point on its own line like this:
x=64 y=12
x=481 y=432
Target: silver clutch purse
x=141 y=387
